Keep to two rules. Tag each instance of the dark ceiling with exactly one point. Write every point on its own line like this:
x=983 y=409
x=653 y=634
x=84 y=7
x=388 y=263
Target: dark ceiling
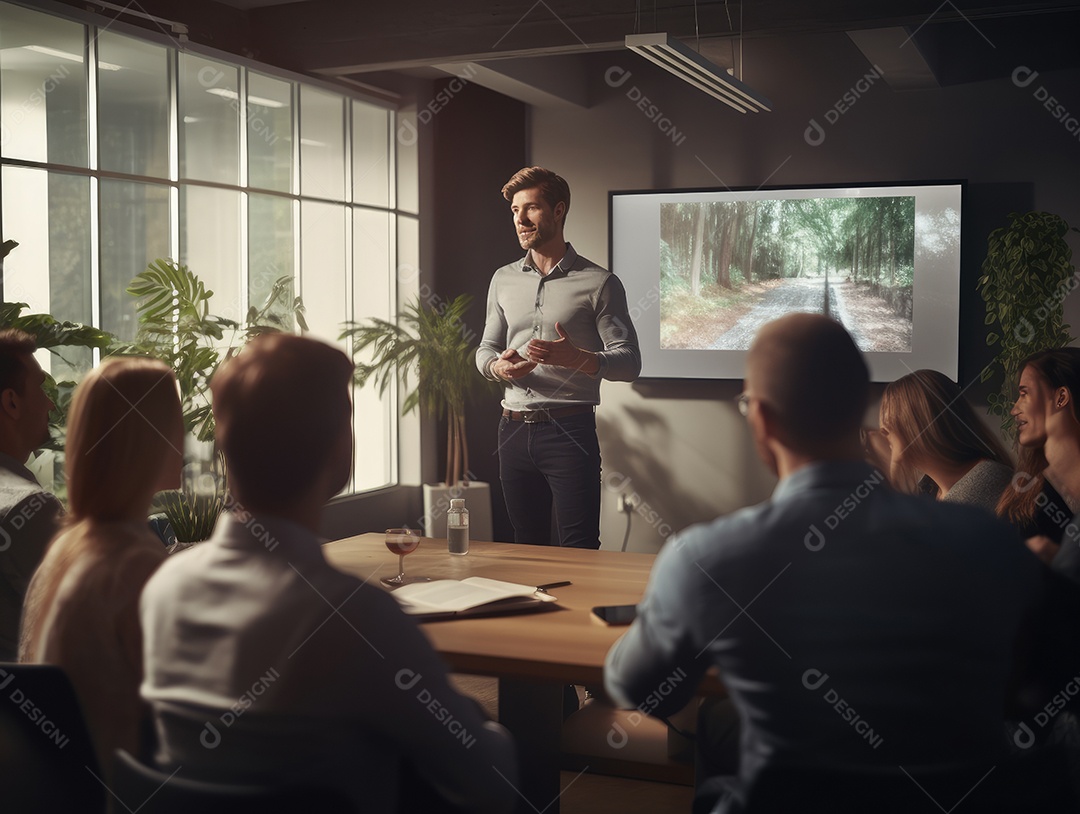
x=957 y=41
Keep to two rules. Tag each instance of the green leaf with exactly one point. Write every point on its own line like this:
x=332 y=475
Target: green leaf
x=430 y=344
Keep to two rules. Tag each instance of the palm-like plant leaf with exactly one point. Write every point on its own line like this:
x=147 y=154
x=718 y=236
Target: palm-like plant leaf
x=176 y=326
x=431 y=344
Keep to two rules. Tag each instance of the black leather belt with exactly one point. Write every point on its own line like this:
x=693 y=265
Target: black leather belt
x=540 y=416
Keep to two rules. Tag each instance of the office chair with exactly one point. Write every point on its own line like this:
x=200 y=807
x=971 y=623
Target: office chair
x=139 y=787
x=47 y=761
x=1038 y=781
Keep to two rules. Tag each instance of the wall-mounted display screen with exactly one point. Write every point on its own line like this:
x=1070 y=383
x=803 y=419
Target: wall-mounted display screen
x=704 y=269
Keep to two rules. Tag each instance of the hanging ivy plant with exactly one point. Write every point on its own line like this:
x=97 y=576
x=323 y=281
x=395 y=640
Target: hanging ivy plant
x=1026 y=276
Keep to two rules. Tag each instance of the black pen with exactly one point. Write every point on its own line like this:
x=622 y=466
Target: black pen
x=553 y=585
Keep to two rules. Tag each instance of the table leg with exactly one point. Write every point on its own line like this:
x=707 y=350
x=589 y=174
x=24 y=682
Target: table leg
x=533 y=714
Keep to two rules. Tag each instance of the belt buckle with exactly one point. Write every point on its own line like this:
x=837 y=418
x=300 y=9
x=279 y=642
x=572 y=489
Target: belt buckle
x=536 y=416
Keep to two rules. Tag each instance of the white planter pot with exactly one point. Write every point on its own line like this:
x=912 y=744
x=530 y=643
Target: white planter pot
x=477 y=495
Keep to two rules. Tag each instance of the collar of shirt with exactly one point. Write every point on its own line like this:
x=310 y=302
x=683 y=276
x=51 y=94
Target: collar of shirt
x=270 y=533
x=563 y=266
x=17 y=468
x=827 y=474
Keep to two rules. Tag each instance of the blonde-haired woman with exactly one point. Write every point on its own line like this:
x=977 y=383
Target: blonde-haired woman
x=124 y=443
x=938 y=445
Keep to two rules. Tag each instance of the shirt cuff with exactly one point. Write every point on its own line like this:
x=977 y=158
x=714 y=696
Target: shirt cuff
x=602 y=365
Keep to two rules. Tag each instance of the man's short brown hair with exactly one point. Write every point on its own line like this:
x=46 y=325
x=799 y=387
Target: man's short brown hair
x=808 y=370
x=280 y=405
x=553 y=188
x=14 y=345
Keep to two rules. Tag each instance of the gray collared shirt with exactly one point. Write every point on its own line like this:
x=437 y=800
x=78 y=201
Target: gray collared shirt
x=589 y=303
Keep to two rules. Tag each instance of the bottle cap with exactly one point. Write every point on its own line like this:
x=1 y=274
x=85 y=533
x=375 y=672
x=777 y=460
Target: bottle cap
x=457 y=503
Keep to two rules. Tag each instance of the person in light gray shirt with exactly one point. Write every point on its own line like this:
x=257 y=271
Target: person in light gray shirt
x=264 y=663
x=557 y=324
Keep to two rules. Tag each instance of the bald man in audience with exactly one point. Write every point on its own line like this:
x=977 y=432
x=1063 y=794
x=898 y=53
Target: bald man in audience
x=265 y=664
x=29 y=516
x=851 y=625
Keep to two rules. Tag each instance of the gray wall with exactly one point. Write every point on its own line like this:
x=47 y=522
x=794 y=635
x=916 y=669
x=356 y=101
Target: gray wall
x=685 y=446
x=682 y=447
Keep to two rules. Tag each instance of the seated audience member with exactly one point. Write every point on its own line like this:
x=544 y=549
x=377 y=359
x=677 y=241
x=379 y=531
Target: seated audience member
x=834 y=590
x=931 y=432
x=28 y=514
x=125 y=442
x=266 y=664
x=1045 y=493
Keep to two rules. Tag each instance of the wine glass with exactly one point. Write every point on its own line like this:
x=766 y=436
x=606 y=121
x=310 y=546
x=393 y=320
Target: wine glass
x=402 y=542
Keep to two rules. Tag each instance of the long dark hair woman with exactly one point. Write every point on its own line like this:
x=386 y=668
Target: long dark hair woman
x=1045 y=492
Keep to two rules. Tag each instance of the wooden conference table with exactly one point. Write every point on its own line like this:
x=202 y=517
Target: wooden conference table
x=533 y=655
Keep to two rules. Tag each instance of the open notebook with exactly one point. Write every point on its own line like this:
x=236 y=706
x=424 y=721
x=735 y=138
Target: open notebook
x=475 y=596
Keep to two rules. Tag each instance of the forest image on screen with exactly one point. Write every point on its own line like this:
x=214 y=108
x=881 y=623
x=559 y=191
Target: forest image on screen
x=727 y=268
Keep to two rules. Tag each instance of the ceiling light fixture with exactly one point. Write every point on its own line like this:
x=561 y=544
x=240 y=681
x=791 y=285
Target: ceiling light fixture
x=67 y=55
x=676 y=57
x=233 y=96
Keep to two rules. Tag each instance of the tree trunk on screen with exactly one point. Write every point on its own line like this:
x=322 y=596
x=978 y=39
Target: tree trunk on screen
x=695 y=263
x=723 y=272
x=750 y=248
x=855 y=257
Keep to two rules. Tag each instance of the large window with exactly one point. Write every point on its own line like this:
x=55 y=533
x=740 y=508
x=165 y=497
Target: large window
x=116 y=151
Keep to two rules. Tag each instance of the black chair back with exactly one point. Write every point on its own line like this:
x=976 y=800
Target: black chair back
x=1034 y=782
x=141 y=788
x=47 y=761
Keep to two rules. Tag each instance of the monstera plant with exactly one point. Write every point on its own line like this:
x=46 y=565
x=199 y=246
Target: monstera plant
x=177 y=327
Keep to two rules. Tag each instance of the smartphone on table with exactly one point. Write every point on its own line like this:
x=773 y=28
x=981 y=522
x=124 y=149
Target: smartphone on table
x=615 y=614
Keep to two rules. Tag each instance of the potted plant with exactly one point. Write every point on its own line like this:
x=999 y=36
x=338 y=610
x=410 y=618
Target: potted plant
x=1026 y=276
x=431 y=343
x=53 y=335
x=177 y=327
